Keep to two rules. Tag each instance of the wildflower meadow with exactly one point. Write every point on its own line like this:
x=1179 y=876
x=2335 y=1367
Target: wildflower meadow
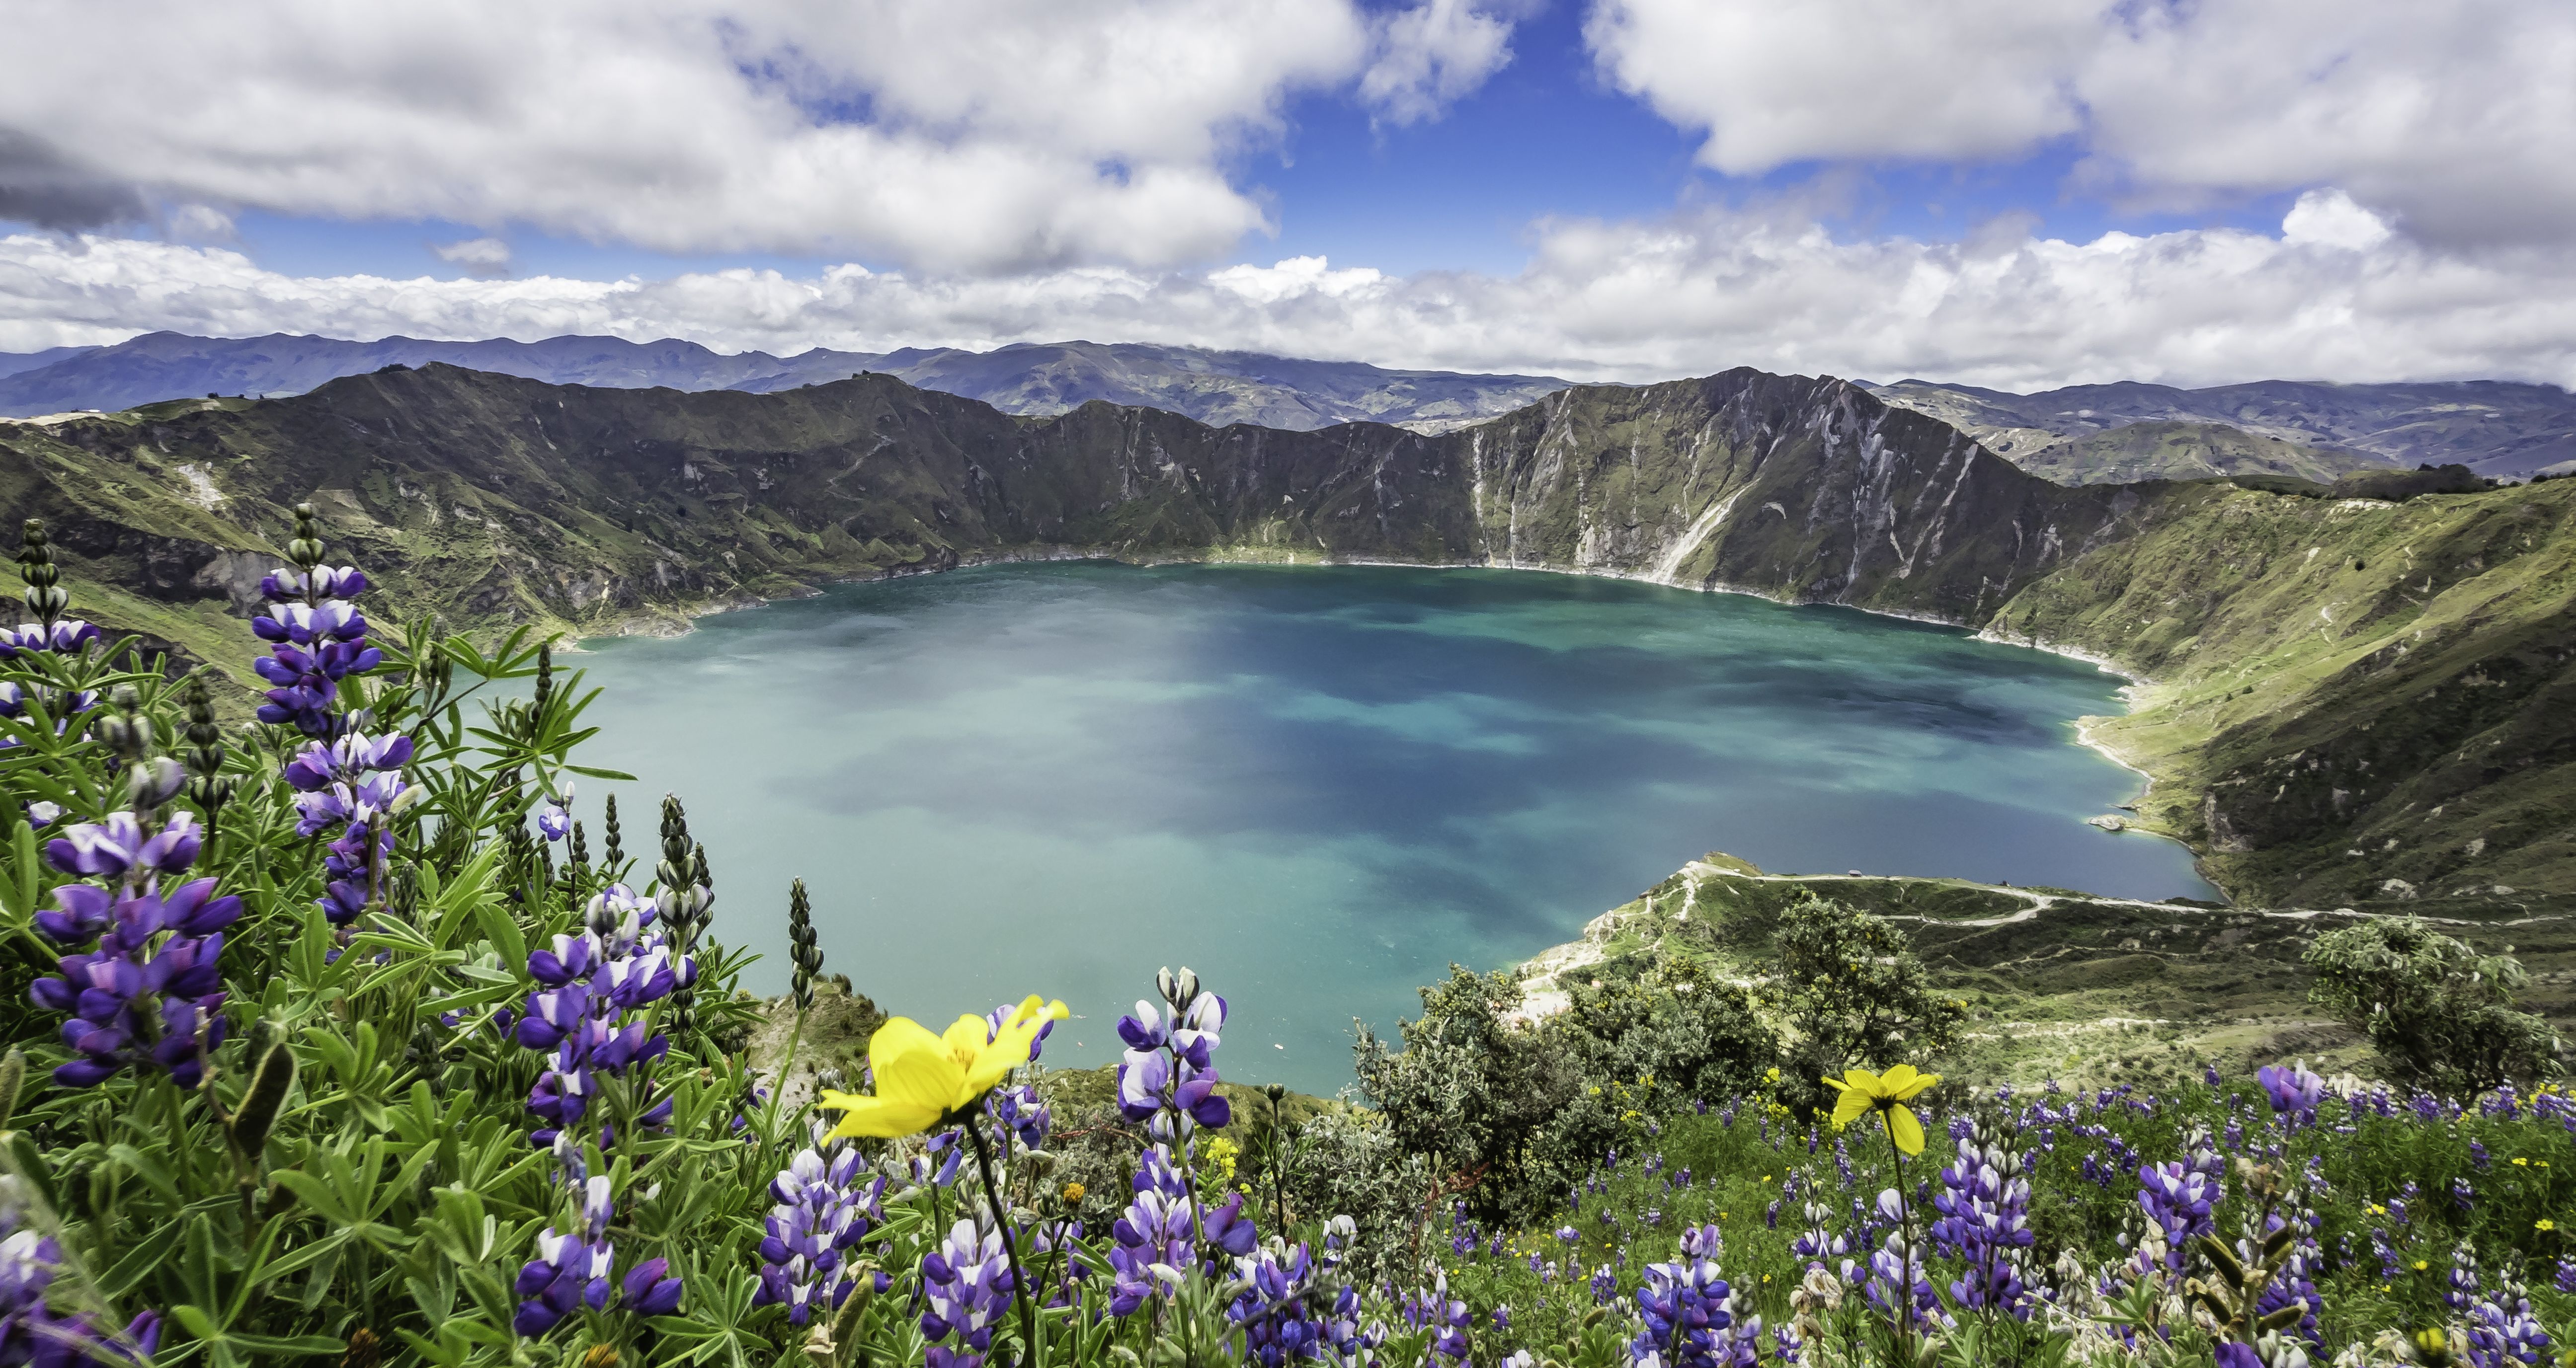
x=348 y=1027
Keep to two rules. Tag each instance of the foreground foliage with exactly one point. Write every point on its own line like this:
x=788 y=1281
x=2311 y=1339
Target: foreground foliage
x=336 y=1037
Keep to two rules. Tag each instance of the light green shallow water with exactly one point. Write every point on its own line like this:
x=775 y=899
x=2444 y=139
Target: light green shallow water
x=1318 y=787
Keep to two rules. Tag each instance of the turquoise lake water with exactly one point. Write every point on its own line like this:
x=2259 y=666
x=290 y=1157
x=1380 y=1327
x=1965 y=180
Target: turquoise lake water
x=1317 y=787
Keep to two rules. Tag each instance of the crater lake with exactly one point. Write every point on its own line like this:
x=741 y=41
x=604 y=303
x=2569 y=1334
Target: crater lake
x=1318 y=787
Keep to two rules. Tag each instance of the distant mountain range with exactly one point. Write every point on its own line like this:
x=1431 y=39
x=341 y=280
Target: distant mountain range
x=2091 y=434
x=1038 y=379
x=2085 y=434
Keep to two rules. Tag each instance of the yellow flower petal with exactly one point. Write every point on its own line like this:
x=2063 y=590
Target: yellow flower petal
x=1904 y=1129
x=1854 y=1106
x=1901 y=1083
x=879 y=1117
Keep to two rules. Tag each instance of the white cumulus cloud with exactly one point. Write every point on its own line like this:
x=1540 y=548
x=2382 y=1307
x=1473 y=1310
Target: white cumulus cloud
x=959 y=135
x=1430 y=55
x=2330 y=295
x=483 y=256
x=2457 y=121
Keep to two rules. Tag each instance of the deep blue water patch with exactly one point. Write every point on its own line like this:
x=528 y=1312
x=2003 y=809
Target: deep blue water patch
x=1319 y=787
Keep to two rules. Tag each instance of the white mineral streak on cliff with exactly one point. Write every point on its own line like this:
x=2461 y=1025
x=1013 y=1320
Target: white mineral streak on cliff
x=1691 y=540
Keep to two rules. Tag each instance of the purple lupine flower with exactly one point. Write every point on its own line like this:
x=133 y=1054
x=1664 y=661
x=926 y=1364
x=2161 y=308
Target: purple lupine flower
x=1691 y=1317
x=1605 y=1285
x=1154 y=1239
x=1167 y=1074
x=554 y=820
x=1985 y=1220
x=32 y=1331
x=148 y=991
x=317 y=637
x=1817 y=1243
x=1276 y=1310
x=1021 y=1114
x=1227 y=1229
x=2295 y=1091
x=2502 y=1331
x=2296 y=1282
x=1433 y=1309
x=823 y=1208
x=571 y=1271
x=2460 y=1289
x=588 y=1015
x=351 y=781
x=68 y=636
x=966 y=1288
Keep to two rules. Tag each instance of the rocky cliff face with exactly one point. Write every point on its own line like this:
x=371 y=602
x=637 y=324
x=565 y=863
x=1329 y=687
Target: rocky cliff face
x=2330 y=671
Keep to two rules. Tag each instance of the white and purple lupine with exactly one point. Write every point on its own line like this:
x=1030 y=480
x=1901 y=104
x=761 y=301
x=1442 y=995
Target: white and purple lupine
x=572 y=1272
x=67 y=638
x=147 y=990
x=316 y=635
x=1019 y=1113
x=590 y=1015
x=555 y=818
x=1896 y=1266
x=1447 y=1318
x=1168 y=1075
x=2502 y=1331
x=32 y=1329
x=1154 y=1239
x=2295 y=1092
x=352 y=782
x=1984 y=1208
x=966 y=1289
x=1277 y=1310
x=1691 y=1317
x=2178 y=1199
x=827 y=1201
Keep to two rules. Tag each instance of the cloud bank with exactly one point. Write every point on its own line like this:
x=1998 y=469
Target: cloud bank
x=2455 y=121
x=966 y=135
x=2334 y=294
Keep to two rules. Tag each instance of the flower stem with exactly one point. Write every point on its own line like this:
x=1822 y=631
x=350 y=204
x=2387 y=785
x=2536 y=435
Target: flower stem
x=1029 y=1352
x=1905 y=1260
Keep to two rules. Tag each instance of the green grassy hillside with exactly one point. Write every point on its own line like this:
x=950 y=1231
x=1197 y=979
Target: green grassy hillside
x=2064 y=984
x=2188 y=451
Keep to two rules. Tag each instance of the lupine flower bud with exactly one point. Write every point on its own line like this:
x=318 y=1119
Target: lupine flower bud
x=306 y=547
x=45 y=599
x=270 y=1082
x=13 y=1074
x=803 y=949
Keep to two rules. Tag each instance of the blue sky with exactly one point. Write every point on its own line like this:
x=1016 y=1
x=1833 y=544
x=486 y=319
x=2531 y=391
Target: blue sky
x=1545 y=137
x=2008 y=192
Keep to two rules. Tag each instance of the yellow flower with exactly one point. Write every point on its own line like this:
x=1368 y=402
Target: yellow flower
x=923 y=1078
x=2544 y=1223
x=2420 y=1265
x=1886 y=1093
x=2522 y=1163
x=1073 y=1193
